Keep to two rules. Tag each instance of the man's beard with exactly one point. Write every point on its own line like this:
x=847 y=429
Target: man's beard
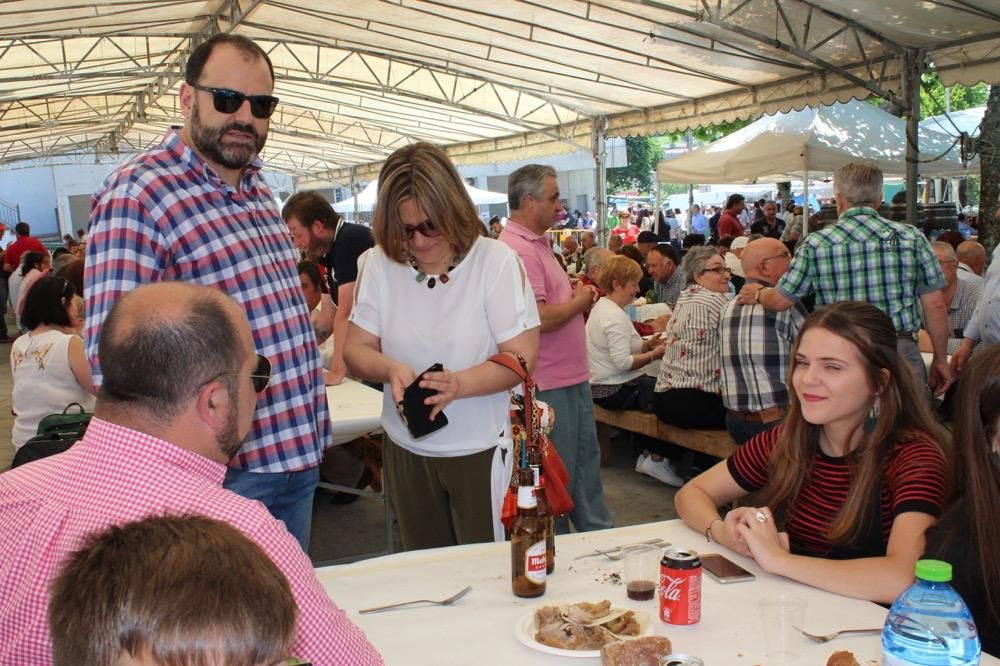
x=209 y=142
x=228 y=438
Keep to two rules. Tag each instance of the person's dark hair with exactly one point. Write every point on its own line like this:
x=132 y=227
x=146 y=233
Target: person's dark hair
x=527 y=181
x=905 y=414
x=668 y=251
x=424 y=173
x=953 y=238
x=970 y=522
x=46 y=303
x=726 y=241
x=30 y=260
x=692 y=240
x=196 y=63
x=60 y=251
x=308 y=207
x=734 y=199
x=184 y=590
x=632 y=252
x=311 y=270
x=899 y=197
x=73 y=272
x=156 y=365
x=22 y=229
x=81 y=233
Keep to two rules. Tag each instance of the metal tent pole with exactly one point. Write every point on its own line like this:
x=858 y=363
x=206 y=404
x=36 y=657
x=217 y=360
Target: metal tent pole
x=913 y=63
x=599 y=149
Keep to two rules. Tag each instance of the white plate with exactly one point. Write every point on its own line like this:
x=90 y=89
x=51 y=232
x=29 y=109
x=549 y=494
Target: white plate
x=524 y=631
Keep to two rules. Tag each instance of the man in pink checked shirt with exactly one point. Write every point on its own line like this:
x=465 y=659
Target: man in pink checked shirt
x=181 y=378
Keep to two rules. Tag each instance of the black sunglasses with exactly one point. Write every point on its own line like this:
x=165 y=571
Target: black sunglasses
x=426 y=229
x=261 y=375
x=229 y=101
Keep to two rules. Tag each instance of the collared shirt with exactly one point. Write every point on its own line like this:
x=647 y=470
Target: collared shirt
x=960 y=310
x=729 y=225
x=966 y=273
x=350 y=241
x=116 y=475
x=756 y=344
x=691 y=358
x=562 y=353
x=167 y=215
x=864 y=257
x=985 y=324
x=699 y=224
x=668 y=292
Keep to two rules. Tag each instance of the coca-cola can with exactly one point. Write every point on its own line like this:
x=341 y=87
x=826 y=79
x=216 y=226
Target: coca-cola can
x=680 y=586
x=680 y=660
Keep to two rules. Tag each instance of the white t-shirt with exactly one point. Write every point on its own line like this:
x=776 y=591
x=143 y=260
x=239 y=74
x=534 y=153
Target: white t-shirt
x=611 y=342
x=43 y=382
x=459 y=324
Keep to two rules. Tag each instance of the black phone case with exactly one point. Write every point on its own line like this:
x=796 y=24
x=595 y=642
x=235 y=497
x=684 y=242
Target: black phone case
x=415 y=414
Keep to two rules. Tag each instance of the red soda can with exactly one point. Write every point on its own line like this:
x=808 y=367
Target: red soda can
x=680 y=586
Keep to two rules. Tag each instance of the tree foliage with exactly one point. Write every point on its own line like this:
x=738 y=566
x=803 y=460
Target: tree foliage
x=643 y=152
x=933 y=96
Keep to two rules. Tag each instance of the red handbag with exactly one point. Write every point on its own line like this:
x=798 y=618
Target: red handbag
x=529 y=432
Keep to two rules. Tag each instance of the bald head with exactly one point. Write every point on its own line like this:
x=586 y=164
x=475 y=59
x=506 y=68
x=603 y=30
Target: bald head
x=765 y=259
x=973 y=255
x=163 y=341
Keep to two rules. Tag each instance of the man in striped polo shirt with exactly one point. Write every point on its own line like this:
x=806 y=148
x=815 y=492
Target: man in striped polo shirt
x=195 y=208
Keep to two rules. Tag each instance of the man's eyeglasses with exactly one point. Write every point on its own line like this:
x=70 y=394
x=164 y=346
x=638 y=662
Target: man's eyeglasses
x=229 y=101
x=426 y=229
x=783 y=255
x=718 y=269
x=261 y=375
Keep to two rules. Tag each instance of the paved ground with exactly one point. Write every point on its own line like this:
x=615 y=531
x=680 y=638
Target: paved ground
x=357 y=530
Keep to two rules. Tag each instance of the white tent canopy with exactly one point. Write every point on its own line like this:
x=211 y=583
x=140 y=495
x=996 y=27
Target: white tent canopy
x=813 y=141
x=366 y=198
x=490 y=81
x=966 y=120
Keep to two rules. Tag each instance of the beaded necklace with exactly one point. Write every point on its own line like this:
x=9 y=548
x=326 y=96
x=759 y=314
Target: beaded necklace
x=442 y=278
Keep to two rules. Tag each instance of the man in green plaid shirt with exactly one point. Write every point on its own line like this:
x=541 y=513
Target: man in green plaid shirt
x=864 y=257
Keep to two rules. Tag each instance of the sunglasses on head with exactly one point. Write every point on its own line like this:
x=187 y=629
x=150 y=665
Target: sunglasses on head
x=229 y=101
x=425 y=228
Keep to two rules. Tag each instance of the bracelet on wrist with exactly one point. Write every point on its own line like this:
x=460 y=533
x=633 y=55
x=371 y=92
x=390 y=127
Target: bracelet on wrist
x=708 y=530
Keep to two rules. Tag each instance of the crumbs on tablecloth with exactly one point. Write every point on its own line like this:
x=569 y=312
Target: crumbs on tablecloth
x=610 y=578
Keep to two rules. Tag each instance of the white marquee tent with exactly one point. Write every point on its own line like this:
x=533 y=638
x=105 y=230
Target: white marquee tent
x=813 y=142
x=490 y=80
x=366 y=198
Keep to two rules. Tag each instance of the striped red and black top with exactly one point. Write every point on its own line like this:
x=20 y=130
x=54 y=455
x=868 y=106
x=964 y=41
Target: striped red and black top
x=913 y=479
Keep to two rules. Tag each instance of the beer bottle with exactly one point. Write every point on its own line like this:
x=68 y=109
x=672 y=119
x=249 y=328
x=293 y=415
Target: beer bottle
x=544 y=510
x=527 y=541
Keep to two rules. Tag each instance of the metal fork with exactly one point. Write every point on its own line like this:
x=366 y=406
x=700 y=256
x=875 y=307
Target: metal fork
x=825 y=638
x=444 y=602
x=615 y=554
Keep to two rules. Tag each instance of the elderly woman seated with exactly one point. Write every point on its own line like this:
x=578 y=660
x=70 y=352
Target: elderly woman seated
x=688 y=388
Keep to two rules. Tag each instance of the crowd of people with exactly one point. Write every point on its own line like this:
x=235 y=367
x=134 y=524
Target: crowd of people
x=200 y=358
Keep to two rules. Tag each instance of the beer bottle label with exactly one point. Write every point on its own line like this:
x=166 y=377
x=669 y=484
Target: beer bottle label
x=534 y=562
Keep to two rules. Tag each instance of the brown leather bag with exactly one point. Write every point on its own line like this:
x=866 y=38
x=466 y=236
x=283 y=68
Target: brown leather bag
x=528 y=432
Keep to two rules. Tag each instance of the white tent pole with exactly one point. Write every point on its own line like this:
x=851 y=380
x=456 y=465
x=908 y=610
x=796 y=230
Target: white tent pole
x=598 y=147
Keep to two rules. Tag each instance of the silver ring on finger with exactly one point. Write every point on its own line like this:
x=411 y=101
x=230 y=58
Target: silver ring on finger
x=760 y=516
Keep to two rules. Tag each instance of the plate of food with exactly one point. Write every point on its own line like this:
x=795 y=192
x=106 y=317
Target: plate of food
x=579 y=629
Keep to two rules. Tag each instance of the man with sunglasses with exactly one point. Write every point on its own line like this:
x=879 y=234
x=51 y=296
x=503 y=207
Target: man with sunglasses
x=182 y=376
x=756 y=345
x=195 y=208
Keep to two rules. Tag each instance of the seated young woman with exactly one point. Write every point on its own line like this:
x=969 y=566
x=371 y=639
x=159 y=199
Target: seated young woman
x=968 y=534
x=848 y=484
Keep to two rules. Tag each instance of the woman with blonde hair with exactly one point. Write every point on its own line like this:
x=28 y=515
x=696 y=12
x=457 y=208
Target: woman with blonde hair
x=848 y=484
x=434 y=290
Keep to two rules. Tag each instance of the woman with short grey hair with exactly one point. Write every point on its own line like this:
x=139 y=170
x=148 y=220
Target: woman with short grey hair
x=688 y=390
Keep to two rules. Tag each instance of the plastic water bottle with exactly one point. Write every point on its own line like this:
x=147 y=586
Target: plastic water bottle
x=929 y=624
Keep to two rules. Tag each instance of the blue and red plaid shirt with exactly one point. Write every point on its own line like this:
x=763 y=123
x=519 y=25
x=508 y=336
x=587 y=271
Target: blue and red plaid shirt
x=168 y=216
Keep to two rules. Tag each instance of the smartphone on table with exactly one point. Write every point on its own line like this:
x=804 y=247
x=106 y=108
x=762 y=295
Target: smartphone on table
x=723 y=570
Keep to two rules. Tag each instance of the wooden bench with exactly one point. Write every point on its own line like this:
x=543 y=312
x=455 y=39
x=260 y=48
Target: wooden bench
x=716 y=443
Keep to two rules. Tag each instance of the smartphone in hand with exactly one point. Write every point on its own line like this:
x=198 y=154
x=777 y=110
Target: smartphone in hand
x=414 y=413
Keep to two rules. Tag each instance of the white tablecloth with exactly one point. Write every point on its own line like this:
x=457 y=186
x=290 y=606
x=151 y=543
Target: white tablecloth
x=355 y=410
x=479 y=628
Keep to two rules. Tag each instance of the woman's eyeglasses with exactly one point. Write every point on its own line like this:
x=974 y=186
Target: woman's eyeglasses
x=261 y=375
x=229 y=101
x=718 y=269
x=426 y=229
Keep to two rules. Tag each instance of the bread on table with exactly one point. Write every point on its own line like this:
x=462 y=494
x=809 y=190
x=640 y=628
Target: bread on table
x=645 y=651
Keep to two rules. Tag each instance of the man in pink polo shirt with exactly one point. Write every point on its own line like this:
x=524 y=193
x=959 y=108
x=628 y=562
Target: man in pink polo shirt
x=562 y=372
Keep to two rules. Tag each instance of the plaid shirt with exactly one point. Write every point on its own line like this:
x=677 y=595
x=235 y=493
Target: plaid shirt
x=960 y=310
x=756 y=346
x=116 y=475
x=864 y=257
x=168 y=216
